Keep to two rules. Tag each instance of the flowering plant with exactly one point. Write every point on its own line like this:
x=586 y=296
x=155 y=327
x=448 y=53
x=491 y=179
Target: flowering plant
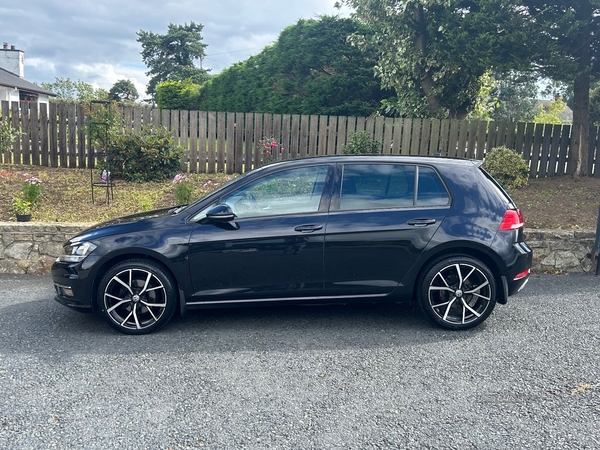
x=184 y=188
x=269 y=149
x=31 y=188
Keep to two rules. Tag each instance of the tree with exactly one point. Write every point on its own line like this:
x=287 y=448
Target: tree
x=66 y=89
x=568 y=32
x=172 y=56
x=434 y=53
x=514 y=96
x=123 y=91
x=310 y=69
x=177 y=95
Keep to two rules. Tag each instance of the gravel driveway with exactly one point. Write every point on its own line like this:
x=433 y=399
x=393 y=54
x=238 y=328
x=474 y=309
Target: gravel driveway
x=360 y=377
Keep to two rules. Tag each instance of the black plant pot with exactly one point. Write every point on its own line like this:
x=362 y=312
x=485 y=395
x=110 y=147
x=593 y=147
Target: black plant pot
x=23 y=217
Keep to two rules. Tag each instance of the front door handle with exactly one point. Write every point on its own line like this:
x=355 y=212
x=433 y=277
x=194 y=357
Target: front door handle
x=308 y=228
x=421 y=222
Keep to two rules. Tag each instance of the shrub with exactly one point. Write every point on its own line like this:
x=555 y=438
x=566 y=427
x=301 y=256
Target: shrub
x=150 y=155
x=361 y=144
x=508 y=168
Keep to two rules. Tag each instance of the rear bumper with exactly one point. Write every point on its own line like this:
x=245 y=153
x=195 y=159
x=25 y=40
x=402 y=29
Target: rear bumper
x=518 y=273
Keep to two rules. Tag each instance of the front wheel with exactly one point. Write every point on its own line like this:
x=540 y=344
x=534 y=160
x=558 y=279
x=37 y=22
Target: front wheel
x=458 y=292
x=137 y=297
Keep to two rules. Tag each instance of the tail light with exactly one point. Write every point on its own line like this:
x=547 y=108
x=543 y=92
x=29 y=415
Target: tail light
x=513 y=220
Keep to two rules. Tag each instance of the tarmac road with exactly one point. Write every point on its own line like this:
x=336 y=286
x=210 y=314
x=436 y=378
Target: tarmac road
x=360 y=377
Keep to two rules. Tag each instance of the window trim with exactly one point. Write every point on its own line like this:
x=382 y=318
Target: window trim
x=339 y=175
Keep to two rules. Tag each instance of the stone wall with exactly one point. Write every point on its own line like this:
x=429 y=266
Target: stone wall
x=32 y=247
x=558 y=251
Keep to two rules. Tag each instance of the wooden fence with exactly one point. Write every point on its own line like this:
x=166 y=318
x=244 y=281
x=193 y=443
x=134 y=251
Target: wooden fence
x=55 y=135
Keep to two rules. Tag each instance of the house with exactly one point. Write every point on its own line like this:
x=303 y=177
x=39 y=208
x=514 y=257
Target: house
x=565 y=116
x=13 y=87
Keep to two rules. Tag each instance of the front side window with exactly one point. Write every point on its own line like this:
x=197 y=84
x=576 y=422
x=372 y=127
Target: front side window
x=291 y=191
x=380 y=186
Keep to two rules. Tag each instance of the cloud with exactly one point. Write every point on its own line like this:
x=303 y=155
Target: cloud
x=95 y=41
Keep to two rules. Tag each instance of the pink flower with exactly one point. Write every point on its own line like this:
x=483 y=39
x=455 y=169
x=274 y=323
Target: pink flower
x=274 y=144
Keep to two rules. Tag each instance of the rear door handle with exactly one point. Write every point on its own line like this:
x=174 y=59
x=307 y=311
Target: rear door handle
x=308 y=228
x=421 y=222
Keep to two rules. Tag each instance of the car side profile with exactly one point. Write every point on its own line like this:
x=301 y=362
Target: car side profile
x=312 y=230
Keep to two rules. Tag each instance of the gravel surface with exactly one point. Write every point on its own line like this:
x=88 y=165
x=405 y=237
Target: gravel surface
x=359 y=377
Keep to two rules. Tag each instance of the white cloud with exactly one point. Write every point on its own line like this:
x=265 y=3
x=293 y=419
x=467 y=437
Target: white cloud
x=96 y=41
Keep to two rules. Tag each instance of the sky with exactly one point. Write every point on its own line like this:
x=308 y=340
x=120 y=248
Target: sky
x=95 y=41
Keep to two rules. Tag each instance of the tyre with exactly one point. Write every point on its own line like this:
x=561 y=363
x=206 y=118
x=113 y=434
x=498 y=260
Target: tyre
x=457 y=292
x=137 y=297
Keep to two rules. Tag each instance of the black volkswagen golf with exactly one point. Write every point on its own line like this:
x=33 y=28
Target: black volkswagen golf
x=314 y=230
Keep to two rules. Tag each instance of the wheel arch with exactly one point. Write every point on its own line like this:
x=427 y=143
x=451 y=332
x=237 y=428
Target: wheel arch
x=112 y=261
x=474 y=251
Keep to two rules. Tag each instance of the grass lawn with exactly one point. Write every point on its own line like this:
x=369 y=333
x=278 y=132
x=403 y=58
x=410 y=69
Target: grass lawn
x=558 y=202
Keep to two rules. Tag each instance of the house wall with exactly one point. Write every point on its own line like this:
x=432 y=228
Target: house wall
x=12 y=95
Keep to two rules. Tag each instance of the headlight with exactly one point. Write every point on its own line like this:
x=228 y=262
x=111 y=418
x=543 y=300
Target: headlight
x=76 y=252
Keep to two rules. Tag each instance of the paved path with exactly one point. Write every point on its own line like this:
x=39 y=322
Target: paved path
x=363 y=377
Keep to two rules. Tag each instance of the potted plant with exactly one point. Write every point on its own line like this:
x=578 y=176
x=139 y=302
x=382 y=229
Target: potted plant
x=22 y=209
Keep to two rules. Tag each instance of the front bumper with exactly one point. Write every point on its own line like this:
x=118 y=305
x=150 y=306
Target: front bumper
x=71 y=289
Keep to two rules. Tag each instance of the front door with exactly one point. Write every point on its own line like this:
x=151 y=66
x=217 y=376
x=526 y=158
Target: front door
x=274 y=247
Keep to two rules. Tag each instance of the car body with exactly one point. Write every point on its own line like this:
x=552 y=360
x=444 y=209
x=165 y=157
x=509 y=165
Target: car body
x=309 y=230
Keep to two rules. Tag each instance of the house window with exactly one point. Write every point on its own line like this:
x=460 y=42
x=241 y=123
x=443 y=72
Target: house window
x=25 y=96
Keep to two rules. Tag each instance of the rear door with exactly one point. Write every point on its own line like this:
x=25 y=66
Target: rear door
x=381 y=218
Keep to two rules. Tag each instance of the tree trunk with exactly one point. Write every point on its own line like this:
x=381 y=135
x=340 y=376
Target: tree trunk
x=427 y=82
x=581 y=127
x=581 y=95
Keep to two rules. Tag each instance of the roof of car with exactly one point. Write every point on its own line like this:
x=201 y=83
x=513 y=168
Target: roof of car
x=414 y=159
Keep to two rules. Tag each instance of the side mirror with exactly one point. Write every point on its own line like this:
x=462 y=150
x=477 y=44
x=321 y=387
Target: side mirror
x=221 y=213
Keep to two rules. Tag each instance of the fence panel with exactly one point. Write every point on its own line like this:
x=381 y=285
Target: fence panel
x=55 y=135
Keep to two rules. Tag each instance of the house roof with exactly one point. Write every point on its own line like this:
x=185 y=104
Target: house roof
x=9 y=79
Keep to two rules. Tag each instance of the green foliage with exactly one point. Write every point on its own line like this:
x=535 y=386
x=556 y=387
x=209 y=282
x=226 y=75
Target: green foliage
x=515 y=94
x=177 y=94
x=80 y=91
x=595 y=107
x=103 y=124
x=184 y=188
x=551 y=113
x=30 y=191
x=150 y=155
x=508 y=168
x=21 y=206
x=310 y=69
x=123 y=91
x=8 y=134
x=171 y=56
x=434 y=53
x=361 y=143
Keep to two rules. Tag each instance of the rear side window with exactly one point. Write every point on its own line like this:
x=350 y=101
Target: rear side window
x=431 y=191
x=381 y=186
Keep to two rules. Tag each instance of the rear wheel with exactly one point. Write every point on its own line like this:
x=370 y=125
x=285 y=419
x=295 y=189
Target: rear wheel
x=458 y=292
x=137 y=297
